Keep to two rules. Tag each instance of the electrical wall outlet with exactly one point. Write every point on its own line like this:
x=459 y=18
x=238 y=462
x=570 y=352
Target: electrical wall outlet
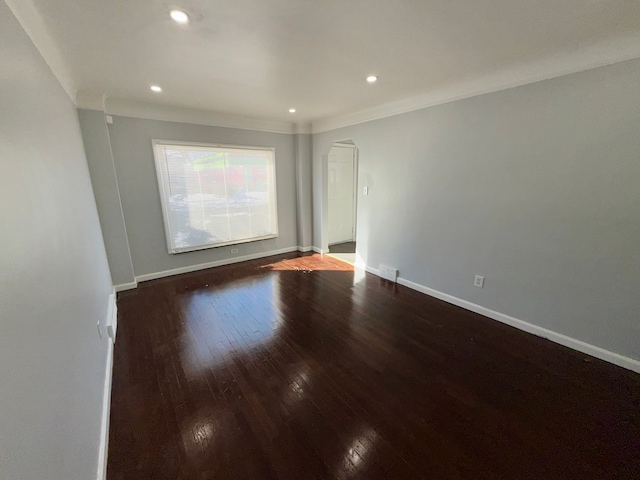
x=234 y=251
x=365 y=190
x=478 y=282
x=388 y=273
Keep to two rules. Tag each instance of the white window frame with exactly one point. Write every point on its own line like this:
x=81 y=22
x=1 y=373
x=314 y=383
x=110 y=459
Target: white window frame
x=163 y=186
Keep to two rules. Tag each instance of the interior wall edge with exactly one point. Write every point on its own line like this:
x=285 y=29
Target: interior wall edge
x=32 y=23
x=101 y=474
x=97 y=145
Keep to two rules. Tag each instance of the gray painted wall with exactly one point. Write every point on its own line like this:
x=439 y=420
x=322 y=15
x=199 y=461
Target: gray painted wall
x=537 y=188
x=135 y=169
x=54 y=276
x=105 y=186
x=303 y=189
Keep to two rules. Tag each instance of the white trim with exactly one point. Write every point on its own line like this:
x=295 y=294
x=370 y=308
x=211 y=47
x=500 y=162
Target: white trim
x=344 y=145
x=319 y=250
x=231 y=146
x=162 y=174
x=583 y=59
x=152 y=276
x=218 y=263
x=106 y=413
x=303 y=128
x=151 y=111
x=578 y=345
x=367 y=268
x=356 y=170
x=112 y=317
x=125 y=286
x=561 y=65
x=230 y=243
x=31 y=21
x=136 y=109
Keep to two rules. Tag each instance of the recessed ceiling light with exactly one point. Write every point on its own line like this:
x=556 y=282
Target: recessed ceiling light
x=292 y=110
x=179 y=16
x=372 y=79
x=156 y=88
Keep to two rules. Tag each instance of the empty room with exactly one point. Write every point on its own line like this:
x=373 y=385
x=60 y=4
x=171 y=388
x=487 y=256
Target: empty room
x=287 y=239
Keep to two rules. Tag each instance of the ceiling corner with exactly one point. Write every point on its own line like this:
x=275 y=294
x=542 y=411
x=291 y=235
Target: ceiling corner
x=34 y=26
x=90 y=100
x=303 y=128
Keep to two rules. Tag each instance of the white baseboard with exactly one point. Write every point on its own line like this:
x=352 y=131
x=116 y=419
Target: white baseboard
x=578 y=345
x=304 y=249
x=319 y=250
x=367 y=268
x=218 y=263
x=106 y=412
x=125 y=286
x=601 y=353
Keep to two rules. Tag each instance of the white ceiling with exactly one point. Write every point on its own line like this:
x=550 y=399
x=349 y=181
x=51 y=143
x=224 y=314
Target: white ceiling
x=258 y=58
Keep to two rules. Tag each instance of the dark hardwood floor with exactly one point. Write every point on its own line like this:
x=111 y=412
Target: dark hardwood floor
x=297 y=367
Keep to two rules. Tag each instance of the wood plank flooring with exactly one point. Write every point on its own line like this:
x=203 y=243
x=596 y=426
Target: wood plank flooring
x=297 y=367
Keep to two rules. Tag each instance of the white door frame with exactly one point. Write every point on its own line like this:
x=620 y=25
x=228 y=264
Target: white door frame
x=355 y=188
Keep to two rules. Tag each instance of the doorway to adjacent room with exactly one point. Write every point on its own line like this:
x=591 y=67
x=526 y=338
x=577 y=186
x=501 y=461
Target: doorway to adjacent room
x=342 y=200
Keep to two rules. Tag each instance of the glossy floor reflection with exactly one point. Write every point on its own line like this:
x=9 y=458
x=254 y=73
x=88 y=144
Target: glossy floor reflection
x=295 y=367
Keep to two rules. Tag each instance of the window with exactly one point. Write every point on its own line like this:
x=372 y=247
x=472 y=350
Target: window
x=214 y=195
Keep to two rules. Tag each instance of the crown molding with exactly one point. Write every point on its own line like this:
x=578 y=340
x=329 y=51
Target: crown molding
x=131 y=108
x=152 y=111
x=558 y=66
x=580 y=60
x=305 y=128
x=32 y=23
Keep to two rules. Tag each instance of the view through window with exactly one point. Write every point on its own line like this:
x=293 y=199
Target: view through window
x=214 y=195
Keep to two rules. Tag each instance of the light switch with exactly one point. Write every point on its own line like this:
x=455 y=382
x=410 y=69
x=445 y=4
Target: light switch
x=365 y=190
